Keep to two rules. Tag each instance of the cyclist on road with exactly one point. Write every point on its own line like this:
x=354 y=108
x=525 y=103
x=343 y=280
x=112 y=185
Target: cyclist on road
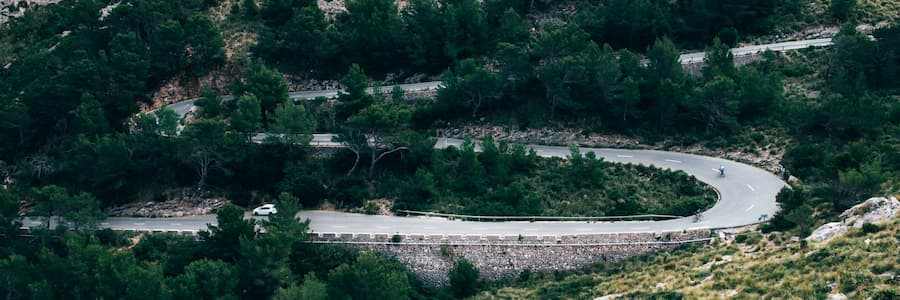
x=721 y=170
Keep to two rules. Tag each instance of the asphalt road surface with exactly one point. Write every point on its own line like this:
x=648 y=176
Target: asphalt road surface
x=746 y=194
x=184 y=107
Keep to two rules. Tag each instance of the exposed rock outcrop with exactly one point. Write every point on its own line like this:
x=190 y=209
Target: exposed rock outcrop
x=167 y=209
x=874 y=210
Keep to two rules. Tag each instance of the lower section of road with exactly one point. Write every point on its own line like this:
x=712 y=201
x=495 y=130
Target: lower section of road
x=746 y=196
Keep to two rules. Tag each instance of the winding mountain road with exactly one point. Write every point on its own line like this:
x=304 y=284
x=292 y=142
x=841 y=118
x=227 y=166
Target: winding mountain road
x=746 y=194
x=184 y=107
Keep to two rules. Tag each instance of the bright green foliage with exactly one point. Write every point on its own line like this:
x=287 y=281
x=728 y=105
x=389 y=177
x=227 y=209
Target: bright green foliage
x=463 y=278
x=369 y=277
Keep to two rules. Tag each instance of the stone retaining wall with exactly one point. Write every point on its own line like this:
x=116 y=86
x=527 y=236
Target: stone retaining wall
x=499 y=257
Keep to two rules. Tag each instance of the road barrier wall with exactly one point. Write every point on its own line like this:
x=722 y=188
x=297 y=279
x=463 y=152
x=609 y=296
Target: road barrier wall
x=502 y=256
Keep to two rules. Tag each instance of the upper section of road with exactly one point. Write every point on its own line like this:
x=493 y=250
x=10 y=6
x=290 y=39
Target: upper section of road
x=184 y=107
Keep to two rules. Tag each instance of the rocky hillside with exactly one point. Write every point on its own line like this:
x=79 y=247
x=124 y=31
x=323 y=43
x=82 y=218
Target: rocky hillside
x=14 y=8
x=858 y=261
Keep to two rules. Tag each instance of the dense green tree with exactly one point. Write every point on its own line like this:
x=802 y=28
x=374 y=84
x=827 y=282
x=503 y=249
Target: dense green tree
x=420 y=193
x=714 y=105
x=379 y=130
x=635 y=24
x=861 y=183
x=802 y=216
x=512 y=28
x=760 y=94
x=278 y=12
x=354 y=97
x=465 y=29
x=311 y=289
x=224 y=240
x=293 y=122
x=663 y=62
x=463 y=278
x=205 y=279
x=84 y=212
x=472 y=82
x=513 y=65
x=247 y=116
x=718 y=61
x=209 y=103
x=304 y=41
x=251 y=9
x=50 y=201
x=205 y=44
x=369 y=277
x=842 y=9
x=266 y=84
x=10 y=221
x=371 y=34
x=424 y=22
x=202 y=148
x=89 y=118
x=728 y=36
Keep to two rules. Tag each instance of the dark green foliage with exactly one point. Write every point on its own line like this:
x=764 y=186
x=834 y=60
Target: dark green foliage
x=463 y=278
x=298 y=39
x=205 y=279
x=842 y=9
x=246 y=118
x=369 y=277
x=870 y=228
x=265 y=84
x=354 y=98
x=224 y=240
x=371 y=34
x=251 y=10
x=210 y=104
x=728 y=36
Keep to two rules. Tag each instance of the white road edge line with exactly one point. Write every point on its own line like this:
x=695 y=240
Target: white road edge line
x=624 y=156
x=751 y=187
x=674 y=161
x=751 y=207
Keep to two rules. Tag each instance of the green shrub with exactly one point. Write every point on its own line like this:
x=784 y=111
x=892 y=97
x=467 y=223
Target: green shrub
x=870 y=228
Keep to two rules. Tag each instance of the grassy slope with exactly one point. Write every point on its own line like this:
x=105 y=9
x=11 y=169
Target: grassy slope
x=760 y=267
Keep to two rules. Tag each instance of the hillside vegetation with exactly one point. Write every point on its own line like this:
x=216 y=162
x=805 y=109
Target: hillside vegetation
x=862 y=265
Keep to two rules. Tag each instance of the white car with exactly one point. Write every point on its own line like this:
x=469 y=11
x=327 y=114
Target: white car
x=265 y=210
